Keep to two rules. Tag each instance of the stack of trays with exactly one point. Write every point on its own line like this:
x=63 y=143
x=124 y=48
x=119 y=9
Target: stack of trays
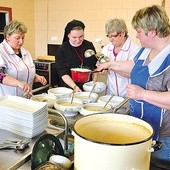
x=23 y=116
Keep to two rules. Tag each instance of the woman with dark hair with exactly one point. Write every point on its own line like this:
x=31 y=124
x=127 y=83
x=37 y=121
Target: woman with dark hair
x=71 y=54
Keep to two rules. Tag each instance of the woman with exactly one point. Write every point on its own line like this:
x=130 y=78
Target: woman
x=71 y=54
x=17 y=71
x=149 y=90
x=121 y=47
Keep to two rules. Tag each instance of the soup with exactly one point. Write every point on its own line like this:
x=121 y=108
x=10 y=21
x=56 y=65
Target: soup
x=68 y=103
x=113 y=132
x=95 y=108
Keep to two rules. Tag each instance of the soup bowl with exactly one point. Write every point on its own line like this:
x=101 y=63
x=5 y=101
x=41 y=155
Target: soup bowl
x=67 y=108
x=84 y=96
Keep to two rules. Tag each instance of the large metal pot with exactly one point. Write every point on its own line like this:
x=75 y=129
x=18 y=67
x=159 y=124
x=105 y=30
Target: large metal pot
x=112 y=141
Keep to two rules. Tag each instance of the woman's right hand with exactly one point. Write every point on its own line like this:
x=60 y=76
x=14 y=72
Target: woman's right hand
x=103 y=66
x=25 y=87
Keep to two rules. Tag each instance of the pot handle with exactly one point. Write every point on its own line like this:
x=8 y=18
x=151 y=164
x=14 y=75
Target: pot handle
x=156 y=145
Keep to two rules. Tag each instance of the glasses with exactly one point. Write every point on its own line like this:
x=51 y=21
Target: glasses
x=113 y=36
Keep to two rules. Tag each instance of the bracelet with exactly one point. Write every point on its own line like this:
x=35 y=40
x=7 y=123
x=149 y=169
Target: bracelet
x=2 y=77
x=20 y=85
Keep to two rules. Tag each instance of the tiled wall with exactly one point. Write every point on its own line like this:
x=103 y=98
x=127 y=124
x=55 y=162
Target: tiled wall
x=23 y=10
x=94 y=13
x=46 y=19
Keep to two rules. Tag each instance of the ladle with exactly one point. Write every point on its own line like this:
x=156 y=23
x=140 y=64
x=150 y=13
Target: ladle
x=73 y=94
x=92 y=90
x=109 y=100
x=88 y=53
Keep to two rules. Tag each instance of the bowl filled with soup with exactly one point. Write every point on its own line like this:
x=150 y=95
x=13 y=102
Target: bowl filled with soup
x=68 y=107
x=86 y=97
x=91 y=108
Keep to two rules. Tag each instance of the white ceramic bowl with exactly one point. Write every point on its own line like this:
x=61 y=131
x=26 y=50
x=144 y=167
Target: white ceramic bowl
x=60 y=92
x=60 y=160
x=99 y=88
x=49 y=98
x=64 y=106
x=91 y=108
x=84 y=96
x=115 y=101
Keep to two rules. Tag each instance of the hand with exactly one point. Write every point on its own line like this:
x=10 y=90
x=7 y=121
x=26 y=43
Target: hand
x=26 y=88
x=135 y=92
x=78 y=89
x=40 y=79
x=103 y=67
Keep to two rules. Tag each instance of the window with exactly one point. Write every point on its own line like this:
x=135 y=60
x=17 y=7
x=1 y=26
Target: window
x=5 y=18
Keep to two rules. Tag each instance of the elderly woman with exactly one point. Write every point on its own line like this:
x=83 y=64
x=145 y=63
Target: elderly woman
x=149 y=90
x=17 y=71
x=71 y=54
x=121 y=47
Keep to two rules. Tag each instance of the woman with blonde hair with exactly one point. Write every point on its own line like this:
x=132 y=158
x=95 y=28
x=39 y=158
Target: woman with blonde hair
x=17 y=70
x=149 y=91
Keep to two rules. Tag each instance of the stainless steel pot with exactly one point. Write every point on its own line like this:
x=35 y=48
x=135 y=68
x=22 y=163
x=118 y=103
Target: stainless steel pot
x=112 y=141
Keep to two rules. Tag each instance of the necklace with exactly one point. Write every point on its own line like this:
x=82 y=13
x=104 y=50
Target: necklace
x=79 y=53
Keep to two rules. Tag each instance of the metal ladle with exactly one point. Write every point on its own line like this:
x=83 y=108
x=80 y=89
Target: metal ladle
x=109 y=100
x=92 y=90
x=73 y=94
x=102 y=58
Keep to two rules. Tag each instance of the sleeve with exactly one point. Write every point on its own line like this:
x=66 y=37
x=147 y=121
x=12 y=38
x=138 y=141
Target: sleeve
x=61 y=63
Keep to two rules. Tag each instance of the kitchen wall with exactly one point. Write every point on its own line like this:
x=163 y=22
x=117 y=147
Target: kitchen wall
x=23 y=10
x=94 y=13
x=46 y=19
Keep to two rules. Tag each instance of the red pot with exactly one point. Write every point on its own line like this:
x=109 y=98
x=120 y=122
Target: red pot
x=80 y=74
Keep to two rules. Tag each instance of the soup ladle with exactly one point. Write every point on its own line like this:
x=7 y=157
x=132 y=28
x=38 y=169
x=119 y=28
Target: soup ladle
x=73 y=94
x=92 y=90
x=109 y=100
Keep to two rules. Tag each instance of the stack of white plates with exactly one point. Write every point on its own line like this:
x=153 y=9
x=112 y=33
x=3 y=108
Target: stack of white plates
x=23 y=116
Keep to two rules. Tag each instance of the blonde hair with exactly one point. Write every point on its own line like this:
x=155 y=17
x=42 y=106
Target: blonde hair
x=152 y=18
x=14 y=27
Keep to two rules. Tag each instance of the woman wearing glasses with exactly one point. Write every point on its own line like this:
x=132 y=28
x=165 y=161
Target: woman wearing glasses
x=121 y=47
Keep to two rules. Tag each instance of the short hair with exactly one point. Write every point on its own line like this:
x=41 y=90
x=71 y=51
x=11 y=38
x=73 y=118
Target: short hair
x=152 y=18
x=116 y=25
x=14 y=27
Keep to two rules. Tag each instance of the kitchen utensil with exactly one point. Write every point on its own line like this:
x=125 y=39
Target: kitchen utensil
x=18 y=145
x=92 y=90
x=100 y=57
x=112 y=141
x=109 y=100
x=80 y=74
x=73 y=94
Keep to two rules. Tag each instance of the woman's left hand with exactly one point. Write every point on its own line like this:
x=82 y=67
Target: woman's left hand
x=40 y=79
x=135 y=92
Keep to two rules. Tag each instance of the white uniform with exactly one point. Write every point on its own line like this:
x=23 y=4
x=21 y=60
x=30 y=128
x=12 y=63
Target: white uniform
x=22 y=69
x=116 y=84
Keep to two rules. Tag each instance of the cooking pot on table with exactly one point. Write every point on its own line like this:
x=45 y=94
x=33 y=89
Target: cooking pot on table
x=81 y=75
x=112 y=141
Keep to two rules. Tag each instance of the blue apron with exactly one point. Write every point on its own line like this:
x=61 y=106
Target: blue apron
x=139 y=108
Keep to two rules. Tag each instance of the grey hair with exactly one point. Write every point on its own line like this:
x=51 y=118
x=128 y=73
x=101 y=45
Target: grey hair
x=116 y=25
x=14 y=27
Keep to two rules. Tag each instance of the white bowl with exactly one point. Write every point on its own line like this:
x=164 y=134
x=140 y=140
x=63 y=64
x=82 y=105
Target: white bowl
x=60 y=92
x=99 y=88
x=91 y=108
x=84 y=96
x=60 y=160
x=64 y=106
x=49 y=98
x=115 y=101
